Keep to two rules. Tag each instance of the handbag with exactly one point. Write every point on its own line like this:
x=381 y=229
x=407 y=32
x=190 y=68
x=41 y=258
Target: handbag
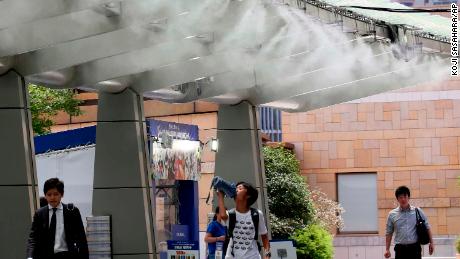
x=422 y=231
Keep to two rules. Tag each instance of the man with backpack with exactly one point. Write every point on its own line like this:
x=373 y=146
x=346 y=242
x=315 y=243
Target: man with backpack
x=244 y=224
x=57 y=229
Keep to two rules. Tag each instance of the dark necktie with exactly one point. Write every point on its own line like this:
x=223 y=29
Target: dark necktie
x=53 y=228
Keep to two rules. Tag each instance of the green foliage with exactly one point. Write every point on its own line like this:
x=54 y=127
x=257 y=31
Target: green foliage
x=313 y=242
x=46 y=103
x=280 y=160
x=292 y=209
x=457 y=245
x=289 y=198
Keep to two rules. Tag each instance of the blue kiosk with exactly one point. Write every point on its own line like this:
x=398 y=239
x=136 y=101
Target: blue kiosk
x=175 y=171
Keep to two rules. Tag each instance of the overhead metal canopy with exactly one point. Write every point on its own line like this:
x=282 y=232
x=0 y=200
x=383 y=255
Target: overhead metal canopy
x=294 y=55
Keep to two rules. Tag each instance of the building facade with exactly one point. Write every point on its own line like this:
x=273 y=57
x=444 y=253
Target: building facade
x=359 y=152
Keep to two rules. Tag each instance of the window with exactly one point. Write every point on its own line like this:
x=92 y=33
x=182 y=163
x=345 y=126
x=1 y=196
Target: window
x=270 y=123
x=357 y=193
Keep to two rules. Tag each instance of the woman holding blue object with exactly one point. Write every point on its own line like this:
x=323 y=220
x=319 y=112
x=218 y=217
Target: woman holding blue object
x=215 y=233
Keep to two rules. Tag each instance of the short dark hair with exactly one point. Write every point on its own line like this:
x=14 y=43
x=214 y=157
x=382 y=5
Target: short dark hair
x=251 y=191
x=402 y=190
x=216 y=211
x=54 y=183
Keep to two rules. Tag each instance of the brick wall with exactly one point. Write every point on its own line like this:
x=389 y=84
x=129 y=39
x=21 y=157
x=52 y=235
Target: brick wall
x=409 y=137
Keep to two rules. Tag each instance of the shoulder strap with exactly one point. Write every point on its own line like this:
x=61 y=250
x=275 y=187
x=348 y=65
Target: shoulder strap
x=43 y=213
x=255 y=220
x=70 y=206
x=231 y=222
x=231 y=226
x=417 y=215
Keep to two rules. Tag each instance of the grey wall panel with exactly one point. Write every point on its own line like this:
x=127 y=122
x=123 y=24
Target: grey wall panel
x=16 y=221
x=15 y=153
x=16 y=147
x=119 y=107
x=239 y=157
x=236 y=117
x=131 y=233
x=122 y=153
x=17 y=174
x=11 y=95
x=236 y=159
x=121 y=172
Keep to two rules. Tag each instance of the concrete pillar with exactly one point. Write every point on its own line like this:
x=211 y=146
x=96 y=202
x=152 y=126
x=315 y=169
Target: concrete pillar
x=121 y=172
x=239 y=157
x=17 y=173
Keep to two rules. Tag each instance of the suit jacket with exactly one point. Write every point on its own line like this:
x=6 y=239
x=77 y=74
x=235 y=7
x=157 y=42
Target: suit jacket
x=39 y=244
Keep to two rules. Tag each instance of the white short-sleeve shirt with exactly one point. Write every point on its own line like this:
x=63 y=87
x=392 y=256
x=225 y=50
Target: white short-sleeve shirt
x=242 y=243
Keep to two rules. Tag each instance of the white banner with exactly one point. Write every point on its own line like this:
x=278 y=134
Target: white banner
x=75 y=167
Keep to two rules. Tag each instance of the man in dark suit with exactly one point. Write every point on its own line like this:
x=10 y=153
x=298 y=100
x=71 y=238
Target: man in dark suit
x=57 y=229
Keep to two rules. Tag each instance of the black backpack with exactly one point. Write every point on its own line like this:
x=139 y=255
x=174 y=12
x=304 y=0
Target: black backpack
x=232 y=223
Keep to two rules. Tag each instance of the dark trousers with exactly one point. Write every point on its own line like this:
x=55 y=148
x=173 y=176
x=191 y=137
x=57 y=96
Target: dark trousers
x=412 y=251
x=63 y=255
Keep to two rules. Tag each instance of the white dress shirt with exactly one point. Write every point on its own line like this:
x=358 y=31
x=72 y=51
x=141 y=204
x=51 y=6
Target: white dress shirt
x=60 y=244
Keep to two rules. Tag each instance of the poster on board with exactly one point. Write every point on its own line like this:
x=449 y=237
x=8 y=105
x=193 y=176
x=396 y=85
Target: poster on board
x=183 y=249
